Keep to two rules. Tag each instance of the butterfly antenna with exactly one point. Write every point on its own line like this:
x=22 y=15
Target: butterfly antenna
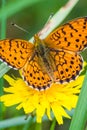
x=15 y=25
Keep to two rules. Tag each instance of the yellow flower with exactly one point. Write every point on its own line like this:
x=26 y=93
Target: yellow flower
x=56 y=99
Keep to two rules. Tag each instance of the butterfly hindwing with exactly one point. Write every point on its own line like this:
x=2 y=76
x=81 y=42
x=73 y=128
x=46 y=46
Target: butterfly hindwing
x=68 y=65
x=34 y=76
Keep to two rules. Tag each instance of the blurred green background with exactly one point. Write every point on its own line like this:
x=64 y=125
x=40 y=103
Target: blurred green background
x=32 y=18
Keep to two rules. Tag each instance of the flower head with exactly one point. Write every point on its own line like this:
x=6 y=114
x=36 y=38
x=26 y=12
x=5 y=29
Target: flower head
x=56 y=99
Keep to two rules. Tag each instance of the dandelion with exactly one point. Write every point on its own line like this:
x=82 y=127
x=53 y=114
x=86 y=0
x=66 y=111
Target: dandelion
x=57 y=98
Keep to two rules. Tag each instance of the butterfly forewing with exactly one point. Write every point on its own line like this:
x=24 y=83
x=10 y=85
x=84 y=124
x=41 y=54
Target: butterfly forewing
x=71 y=36
x=15 y=52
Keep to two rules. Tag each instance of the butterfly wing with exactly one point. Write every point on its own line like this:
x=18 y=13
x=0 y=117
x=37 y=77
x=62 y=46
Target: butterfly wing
x=15 y=52
x=68 y=65
x=71 y=36
x=34 y=76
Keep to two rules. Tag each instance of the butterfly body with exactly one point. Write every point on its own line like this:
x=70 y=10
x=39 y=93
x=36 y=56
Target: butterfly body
x=45 y=59
x=53 y=59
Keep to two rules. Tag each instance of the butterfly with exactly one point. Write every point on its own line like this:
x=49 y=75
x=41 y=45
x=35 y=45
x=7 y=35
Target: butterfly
x=55 y=59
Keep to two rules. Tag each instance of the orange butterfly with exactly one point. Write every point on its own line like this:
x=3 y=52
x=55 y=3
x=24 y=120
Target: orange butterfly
x=53 y=59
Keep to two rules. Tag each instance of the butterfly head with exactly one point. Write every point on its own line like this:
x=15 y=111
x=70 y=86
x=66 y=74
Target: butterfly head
x=37 y=40
x=39 y=45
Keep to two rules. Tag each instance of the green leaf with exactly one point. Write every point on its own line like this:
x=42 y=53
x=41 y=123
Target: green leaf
x=80 y=115
x=16 y=121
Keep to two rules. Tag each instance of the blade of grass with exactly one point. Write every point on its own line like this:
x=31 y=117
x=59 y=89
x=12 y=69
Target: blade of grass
x=15 y=121
x=3 y=69
x=53 y=124
x=80 y=116
x=3 y=34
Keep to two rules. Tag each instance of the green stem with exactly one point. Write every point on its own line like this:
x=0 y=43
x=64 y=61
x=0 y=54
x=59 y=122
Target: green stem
x=53 y=125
